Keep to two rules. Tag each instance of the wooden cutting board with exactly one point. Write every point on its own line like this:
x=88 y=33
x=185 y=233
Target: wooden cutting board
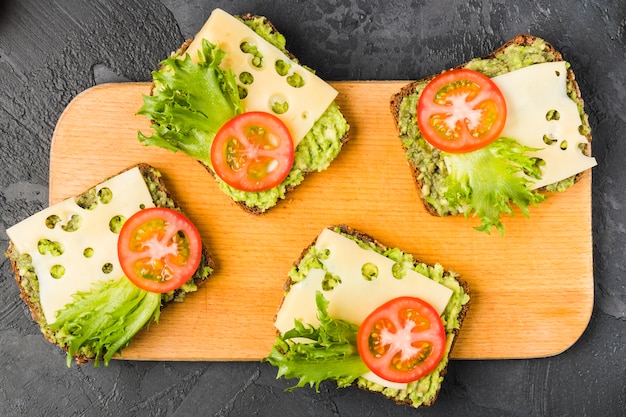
x=532 y=290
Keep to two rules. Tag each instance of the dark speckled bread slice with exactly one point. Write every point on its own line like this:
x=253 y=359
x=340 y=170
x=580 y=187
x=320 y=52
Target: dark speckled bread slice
x=29 y=286
x=456 y=312
x=549 y=54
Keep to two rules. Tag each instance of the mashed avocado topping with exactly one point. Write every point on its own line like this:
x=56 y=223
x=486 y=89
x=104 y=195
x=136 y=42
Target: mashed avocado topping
x=430 y=160
x=315 y=152
x=338 y=360
x=266 y=31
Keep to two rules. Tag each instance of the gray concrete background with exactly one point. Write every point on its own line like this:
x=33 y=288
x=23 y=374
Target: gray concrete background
x=52 y=50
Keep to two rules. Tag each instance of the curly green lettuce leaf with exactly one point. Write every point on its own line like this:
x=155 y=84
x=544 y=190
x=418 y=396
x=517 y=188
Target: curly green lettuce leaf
x=190 y=103
x=487 y=182
x=329 y=353
x=101 y=322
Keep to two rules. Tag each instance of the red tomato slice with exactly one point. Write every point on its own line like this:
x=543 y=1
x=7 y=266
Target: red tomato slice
x=460 y=111
x=402 y=340
x=253 y=152
x=159 y=249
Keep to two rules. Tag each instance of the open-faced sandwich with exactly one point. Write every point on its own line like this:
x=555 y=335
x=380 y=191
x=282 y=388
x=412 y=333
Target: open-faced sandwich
x=357 y=312
x=495 y=132
x=96 y=268
x=237 y=101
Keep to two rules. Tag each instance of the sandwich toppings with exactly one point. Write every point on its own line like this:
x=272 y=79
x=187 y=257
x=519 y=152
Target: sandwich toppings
x=253 y=151
x=336 y=267
x=539 y=143
x=460 y=111
x=238 y=65
x=357 y=313
x=402 y=340
x=84 y=232
x=190 y=102
x=268 y=79
x=159 y=249
x=75 y=279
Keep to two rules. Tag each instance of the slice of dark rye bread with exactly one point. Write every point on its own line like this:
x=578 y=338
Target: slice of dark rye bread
x=273 y=30
x=27 y=280
x=520 y=40
x=432 y=272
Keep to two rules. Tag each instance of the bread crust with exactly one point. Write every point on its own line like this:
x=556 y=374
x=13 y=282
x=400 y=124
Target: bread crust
x=519 y=40
x=364 y=237
x=31 y=301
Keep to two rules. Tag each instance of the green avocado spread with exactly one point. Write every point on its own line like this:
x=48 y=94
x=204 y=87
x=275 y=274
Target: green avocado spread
x=314 y=153
x=425 y=389
x=429 y=161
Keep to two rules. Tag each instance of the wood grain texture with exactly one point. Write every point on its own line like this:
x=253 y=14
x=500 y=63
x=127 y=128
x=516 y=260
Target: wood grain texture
x=532 y=291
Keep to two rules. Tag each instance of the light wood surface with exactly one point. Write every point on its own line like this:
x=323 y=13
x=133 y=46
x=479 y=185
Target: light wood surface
x=532 y=290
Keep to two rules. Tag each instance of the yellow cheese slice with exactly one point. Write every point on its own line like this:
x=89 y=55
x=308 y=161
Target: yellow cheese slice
x=355 y=297
x=267 y=74
x=89 y=254
x=532 y=95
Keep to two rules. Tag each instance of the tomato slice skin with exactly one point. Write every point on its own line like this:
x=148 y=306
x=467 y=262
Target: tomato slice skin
x=402 y=340
x=253 y=152
x=159 y=249
x=461 y=110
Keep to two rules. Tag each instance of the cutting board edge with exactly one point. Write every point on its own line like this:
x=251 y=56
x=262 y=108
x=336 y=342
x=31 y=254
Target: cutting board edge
x=551 y=352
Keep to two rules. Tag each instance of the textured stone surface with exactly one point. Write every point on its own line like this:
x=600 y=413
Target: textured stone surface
x=51 y=51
